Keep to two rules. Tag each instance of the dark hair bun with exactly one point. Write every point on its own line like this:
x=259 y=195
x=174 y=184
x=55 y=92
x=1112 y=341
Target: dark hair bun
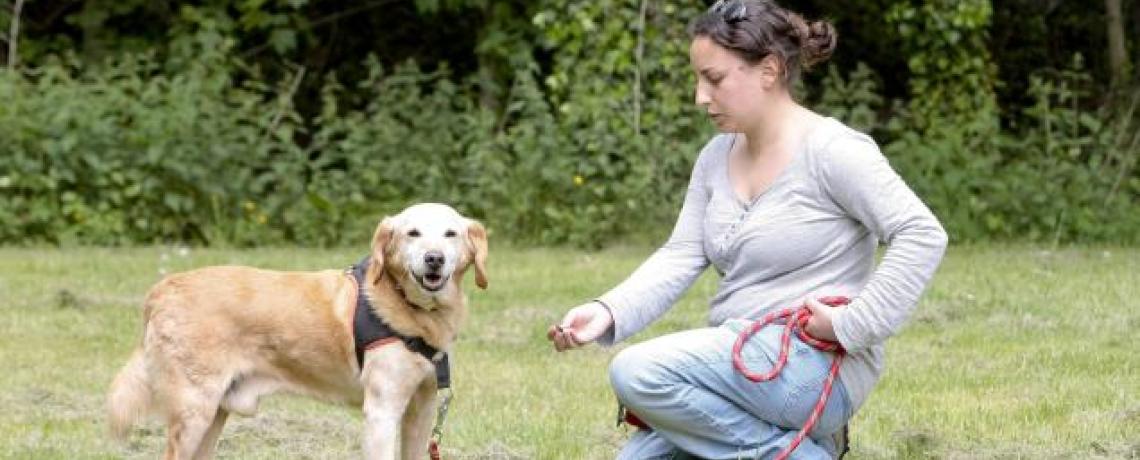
x=818 y=42
x=755 y=29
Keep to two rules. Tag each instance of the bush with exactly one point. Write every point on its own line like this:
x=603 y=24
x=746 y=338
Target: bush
x=1071 y=175
x=129 y=153
x=595 y=149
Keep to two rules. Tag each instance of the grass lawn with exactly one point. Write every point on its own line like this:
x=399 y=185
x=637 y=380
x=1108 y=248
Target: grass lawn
x=1015 y=352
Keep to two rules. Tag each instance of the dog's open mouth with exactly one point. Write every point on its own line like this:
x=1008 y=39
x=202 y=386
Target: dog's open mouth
x=432 y=281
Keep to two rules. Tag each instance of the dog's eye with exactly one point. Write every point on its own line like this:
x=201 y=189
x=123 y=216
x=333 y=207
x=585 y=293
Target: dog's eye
x=414 y=233
x=449 y=234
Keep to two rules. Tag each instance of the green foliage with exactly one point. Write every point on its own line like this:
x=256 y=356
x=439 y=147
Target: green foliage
x=855 y=100
x=412 y=141
x=945 y=138
x=951 y=72
x=1071 y=176
x=572 y=124
x=622 y=93
x=130 y=154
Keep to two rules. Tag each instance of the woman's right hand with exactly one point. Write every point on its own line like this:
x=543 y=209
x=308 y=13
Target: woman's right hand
x=581 y=325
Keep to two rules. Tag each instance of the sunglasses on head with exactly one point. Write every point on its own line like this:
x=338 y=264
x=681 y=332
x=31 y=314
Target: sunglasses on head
x=732 y=11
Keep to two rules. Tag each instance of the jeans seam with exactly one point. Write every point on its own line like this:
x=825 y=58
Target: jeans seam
x=795 y=394
x=736 y=440
x=711 y=421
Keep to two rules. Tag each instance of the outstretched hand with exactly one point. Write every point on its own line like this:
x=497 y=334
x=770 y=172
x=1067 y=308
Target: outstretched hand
x=581 y=325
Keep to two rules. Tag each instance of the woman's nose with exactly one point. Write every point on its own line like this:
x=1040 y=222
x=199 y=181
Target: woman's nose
x=701 y=96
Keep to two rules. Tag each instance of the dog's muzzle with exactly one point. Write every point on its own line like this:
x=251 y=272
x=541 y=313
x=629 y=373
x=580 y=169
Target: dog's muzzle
x=433 y=278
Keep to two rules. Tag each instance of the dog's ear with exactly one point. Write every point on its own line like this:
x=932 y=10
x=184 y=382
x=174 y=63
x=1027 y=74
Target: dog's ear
x=477 y=237
x=380 y=241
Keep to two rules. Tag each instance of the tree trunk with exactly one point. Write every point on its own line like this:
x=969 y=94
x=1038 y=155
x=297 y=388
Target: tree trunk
x=1117 y=52
x=91 y=21
x=1136 y=39
x=14 y=36
x=490 y=89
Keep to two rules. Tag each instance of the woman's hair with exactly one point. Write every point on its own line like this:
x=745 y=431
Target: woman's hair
x=754 y=29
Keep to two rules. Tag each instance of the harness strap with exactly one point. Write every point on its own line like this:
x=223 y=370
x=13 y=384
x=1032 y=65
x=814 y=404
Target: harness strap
x=370 y=331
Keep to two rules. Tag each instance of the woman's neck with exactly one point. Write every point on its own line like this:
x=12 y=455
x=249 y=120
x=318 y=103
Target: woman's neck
x=781 y=124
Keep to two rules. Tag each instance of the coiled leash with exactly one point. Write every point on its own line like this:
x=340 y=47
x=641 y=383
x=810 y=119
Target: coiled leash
x=795 y=319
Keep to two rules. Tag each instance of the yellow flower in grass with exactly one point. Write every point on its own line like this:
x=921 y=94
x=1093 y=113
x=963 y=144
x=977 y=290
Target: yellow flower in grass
x=579 y=180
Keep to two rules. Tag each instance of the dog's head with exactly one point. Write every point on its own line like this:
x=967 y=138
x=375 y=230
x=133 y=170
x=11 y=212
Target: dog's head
x=427 y=248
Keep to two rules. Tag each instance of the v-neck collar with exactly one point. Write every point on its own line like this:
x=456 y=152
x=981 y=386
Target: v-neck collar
x=800 y=151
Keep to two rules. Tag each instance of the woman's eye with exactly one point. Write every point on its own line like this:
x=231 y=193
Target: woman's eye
x=413 y=233
x=449 y=234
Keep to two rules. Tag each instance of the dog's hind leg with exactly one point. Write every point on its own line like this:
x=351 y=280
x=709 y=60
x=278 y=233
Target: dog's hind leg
x=193 y=412
x=185 y=433
x=210 y=440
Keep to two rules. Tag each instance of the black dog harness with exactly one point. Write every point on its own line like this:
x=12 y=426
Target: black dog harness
x=370 y=331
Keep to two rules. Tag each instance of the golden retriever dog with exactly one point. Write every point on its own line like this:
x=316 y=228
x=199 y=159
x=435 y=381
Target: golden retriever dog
x=217 y=339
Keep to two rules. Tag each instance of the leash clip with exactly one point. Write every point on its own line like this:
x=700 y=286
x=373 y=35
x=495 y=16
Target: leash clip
x=441 y=413
x=440 y=416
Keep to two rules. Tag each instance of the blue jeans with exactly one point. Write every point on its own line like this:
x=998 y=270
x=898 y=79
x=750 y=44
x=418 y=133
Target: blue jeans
x=684 y=386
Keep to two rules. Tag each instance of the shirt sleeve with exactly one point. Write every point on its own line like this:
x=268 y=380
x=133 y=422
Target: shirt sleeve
x=858 y=178
x=657 y=284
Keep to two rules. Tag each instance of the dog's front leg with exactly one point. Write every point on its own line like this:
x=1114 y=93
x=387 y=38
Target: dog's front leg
x=418 y=421
x=383 y=408
x=390 y=378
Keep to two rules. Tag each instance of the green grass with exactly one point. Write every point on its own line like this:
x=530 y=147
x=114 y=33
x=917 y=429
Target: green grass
x=1015 y=352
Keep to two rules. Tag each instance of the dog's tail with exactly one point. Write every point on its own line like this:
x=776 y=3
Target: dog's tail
x=129 y=398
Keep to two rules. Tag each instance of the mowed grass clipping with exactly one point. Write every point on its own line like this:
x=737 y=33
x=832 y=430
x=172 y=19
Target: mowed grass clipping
x=1014 y=352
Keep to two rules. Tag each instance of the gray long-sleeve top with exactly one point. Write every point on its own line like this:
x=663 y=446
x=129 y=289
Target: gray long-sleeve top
x=814 y=231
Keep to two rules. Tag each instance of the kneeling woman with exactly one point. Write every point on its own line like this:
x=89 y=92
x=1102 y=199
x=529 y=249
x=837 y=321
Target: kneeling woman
x=788 y=206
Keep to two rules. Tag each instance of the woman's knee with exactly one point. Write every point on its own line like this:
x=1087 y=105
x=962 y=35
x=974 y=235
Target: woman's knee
x=657 y=366
x=634 y=374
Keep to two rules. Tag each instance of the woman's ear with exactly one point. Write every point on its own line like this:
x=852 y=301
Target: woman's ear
x=477 y=239
x=771 y=71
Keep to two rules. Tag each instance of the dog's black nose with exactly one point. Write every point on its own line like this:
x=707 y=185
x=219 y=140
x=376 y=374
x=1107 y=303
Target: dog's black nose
x=433 y=259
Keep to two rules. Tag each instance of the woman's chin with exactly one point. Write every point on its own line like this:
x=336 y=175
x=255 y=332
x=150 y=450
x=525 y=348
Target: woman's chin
x=724 y=126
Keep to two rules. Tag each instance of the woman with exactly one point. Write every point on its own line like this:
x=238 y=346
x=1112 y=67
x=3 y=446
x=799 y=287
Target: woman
x=788 y=206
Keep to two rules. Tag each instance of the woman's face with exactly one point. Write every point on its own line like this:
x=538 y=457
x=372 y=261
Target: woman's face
x=735 y=93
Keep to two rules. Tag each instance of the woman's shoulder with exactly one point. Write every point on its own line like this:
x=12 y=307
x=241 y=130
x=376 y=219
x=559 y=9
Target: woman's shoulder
x=720 y=143
x=832 y=134
x=835 y=142
x=715 y=151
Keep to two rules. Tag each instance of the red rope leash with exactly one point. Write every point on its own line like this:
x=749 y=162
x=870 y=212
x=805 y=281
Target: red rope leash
x=796 y=319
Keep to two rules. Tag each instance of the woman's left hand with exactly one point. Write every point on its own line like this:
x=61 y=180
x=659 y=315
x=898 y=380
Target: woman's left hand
x=820 y=325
